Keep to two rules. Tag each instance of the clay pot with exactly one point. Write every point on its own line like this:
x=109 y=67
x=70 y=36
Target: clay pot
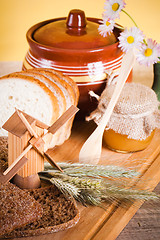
x=74 y=46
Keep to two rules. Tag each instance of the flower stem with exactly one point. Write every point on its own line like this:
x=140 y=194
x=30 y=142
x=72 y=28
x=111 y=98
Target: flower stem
x=130 y=18
x=144 y=41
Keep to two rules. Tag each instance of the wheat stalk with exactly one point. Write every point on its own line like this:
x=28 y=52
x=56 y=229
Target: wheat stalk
x=92 y=184
x=79 y=170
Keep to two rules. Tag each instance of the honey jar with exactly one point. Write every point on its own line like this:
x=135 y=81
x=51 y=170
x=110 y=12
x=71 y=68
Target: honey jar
x=134 y=119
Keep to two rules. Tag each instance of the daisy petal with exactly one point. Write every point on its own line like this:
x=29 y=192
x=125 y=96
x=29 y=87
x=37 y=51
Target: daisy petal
x=131 y=38
x=113 y=8
x=149 y=53
x=106 y=27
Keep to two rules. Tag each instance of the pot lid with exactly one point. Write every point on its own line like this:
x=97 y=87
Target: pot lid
x=73 y=32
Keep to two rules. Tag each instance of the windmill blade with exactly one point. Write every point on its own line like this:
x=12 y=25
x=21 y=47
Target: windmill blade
x=52 y=162
x=19 y=158
x=63 y=119
x=8 y=174
x=27 y=124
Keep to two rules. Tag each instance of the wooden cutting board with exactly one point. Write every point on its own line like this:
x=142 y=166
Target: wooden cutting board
x=96 y=223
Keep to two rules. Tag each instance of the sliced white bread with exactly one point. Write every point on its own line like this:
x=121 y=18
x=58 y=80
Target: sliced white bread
x=49 y=84
x=70 y=91
x=29 y=90
x=58 y=137
x=68 y=80
x=69 y=87
x=28 y=95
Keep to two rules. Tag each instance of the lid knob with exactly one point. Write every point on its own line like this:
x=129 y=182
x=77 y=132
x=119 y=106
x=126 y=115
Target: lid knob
x=76 y=22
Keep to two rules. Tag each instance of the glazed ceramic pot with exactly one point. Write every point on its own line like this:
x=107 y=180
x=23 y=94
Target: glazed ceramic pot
x=74 y=46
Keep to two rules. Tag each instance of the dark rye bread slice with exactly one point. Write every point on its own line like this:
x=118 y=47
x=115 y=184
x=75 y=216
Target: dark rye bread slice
x=59 y=213
x=17 y=208
x=3 y=153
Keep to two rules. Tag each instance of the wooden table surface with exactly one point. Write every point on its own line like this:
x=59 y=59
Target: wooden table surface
x=143 y=225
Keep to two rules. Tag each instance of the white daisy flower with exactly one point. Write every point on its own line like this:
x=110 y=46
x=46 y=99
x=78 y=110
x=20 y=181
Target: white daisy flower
x=113 y=8
x=149 y=53
x=106 y=27
x=130 y=39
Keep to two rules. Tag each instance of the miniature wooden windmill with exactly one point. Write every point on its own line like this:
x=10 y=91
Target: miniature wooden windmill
x=26 y=153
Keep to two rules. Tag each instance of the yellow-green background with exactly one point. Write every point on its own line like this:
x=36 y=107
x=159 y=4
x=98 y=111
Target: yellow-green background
x=17 y=16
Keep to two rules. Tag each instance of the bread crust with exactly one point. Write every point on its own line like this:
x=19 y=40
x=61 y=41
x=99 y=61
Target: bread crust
x=70 y=81
x=69 y=84
x=70 y=91
x=72 y=88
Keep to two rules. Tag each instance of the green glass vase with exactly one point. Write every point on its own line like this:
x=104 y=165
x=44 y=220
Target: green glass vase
x=156 y=82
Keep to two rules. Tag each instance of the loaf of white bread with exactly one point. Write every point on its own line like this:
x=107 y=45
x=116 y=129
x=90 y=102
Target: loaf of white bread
x=42 y=93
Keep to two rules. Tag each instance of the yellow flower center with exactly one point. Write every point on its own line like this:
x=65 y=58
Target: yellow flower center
x=148 y=52
x=130 y=39
x=107 y=23
x=115 y=7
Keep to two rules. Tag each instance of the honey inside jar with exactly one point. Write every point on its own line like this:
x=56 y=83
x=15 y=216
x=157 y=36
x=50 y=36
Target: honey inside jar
x=121 y=143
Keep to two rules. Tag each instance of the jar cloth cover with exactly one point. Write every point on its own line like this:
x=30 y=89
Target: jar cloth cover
x=135 y=115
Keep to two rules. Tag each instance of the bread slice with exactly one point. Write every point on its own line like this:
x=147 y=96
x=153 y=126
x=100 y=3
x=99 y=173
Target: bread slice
x=69 y=87
x=70 y=90
x=61 y=89
x=68 y=80
x=59 y=213
x=29 y=95
x=48 y=83
x=50 y=140
x=17 y=208
x=3 y=153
